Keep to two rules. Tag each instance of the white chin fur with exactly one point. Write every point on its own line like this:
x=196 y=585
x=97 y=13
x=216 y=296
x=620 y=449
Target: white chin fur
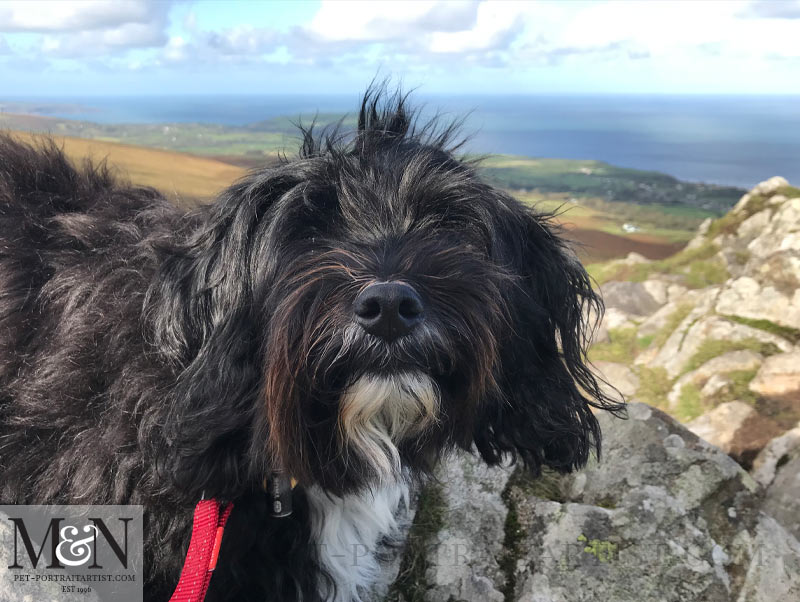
x=377 y=412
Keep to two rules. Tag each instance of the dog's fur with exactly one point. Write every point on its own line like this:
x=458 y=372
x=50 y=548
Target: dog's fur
x=149 y=355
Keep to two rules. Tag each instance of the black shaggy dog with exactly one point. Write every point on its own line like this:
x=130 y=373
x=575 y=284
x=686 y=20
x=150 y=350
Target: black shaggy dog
x=344 y=317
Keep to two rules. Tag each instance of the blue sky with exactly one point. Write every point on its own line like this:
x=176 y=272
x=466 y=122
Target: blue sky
x=131 y=47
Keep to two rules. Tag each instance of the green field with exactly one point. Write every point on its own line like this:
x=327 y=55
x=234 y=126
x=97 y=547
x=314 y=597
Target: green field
x=257 y=140
x=610 y=211
x=246 y=145
x=595 y=179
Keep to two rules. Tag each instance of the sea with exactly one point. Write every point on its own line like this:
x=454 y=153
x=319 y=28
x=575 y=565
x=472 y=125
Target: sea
x=727 y=140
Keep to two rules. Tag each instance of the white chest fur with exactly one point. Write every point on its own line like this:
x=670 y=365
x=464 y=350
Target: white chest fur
x=347 y=531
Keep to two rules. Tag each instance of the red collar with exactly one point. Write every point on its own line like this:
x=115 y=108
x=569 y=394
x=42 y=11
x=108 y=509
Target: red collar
x=210 y=517
x=209 y=523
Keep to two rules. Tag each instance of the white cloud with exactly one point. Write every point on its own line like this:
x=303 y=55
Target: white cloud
x=88 y=29
x=176 y=49
x=353 y=20
x=76 y=15
x=99 y=42
x=773 y=9
x=500 y=34
x=496 y=26
x=243 y=39
x=431 y=38
x=664 y=28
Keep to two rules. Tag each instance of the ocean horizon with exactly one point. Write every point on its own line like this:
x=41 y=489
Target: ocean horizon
x=728 y=140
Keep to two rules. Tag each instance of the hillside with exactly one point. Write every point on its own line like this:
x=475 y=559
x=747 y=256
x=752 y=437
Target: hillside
x=266 y=139
x=601 y=229
x=595 y=179
x=178 y=175
x=711 y=335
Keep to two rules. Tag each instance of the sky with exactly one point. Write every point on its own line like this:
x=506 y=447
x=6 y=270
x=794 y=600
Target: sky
x=148 y=47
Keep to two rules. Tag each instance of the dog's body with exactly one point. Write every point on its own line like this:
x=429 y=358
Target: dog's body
x=344 y=318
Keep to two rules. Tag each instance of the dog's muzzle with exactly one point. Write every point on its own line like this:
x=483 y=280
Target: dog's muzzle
x=378 y=411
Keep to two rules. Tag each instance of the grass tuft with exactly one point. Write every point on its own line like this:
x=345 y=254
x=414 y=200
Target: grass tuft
x=730 y=222
x=790 y=334
x=654 y=385
x=740 y=389
x=789 y=191
x=695 y=268
x=673 y=321
x=621 y=347
x=701 y=274
x=711 y=348
x=689 y=403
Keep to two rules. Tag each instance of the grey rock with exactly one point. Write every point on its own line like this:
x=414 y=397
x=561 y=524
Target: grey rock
x=737 y=429
x=779 y=270
x=778 y=376
x=694 y=330
x=716 y=386
x=630 y=297
x=771 y=186
x=616 y=319
x=753 y=226
x=782 y=499
x=778 y=451
x=720 y=425
x=664 y=516
x=722 y=364
x=777 y=468
x=633 y=258
x=783 y=233
x=619 y=381
x=659 y=319
x=658 y=290
x=464 y=555
x=748 y=298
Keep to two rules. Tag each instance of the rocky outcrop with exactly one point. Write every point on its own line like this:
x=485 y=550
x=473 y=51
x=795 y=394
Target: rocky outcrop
x=466 y=551
x=777 y=469
x=749 y=298
x=625 y=382
x=719 y=321
x=662 y=516
x=716 y=368
x=690 y=336
x=782 y=499
x=721 y=349
x=633 y=298
x=780 y=375
x=737 y=429
x=775 y=455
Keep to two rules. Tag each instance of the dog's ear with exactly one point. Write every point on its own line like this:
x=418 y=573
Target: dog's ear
x=208 y=327
x=542 y=411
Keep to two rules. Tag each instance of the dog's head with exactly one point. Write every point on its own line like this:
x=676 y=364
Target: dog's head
x=374 y=302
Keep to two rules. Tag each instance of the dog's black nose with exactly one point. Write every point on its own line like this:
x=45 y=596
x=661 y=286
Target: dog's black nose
x=388 y=309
